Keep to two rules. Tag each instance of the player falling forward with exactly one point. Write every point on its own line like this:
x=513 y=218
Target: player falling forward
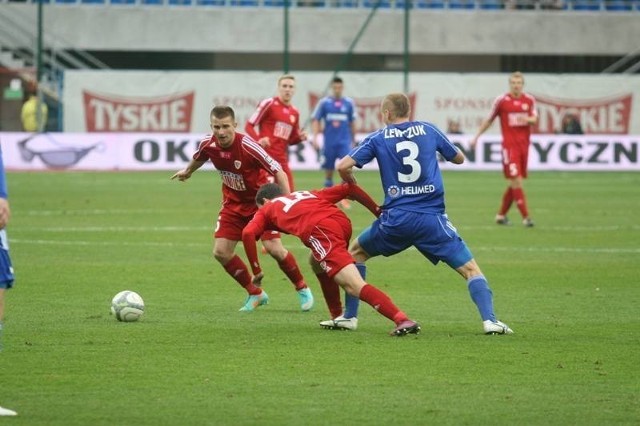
x=313 y=217
x=244 y=166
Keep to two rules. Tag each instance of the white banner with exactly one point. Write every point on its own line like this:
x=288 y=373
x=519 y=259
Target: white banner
x=172 y=151
x=160 y=101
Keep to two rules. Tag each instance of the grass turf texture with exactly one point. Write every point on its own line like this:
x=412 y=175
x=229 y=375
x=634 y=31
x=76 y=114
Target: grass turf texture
x=568 y=287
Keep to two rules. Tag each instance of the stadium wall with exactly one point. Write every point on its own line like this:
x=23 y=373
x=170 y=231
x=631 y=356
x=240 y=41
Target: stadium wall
x=259 y=30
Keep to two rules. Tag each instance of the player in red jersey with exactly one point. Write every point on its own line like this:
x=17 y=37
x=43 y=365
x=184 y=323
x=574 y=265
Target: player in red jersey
x=313 y=217
x=279 y=124
x=517 y=112
x=244 y=166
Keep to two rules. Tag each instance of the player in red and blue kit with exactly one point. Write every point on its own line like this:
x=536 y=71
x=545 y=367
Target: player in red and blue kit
x=6 y=269
x=244 y=166
x=313 y=217
x=517 y=112
x=413 y=213
x=279 y=124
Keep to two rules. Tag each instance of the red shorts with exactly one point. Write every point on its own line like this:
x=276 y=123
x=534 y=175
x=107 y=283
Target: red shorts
x=230 y=225
x=329 y=244
x=514 y=161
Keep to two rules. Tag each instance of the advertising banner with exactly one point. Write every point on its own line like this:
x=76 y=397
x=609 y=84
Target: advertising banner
x=172 y=151
x=180 y=101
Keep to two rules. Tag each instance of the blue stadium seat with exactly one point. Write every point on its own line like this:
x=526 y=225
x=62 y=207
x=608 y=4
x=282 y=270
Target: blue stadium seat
x=179 y=2
x=618 y=5
x=125 y=2
x=383 y=4
x=92 y=1
x=586 y=5
x=244 y=3
x=346 y=3
x=430 y=4
x=274 y=3
x=462 y=4
x=491 y=4
x=210 y=2
x=152 y=2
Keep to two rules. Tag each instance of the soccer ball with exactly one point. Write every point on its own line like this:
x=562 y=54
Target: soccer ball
x=127 y=306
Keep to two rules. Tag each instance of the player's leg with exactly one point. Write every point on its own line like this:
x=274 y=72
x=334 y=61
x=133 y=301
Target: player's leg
x=509 y=170
x=227 y=234
x=288 y=264
x=521 y=159
x=330 y=289
x=6 y=276
x=349 y=278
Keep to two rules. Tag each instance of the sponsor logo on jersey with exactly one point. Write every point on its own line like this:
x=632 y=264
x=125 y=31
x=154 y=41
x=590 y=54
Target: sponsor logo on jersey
x=393 y=191
x=233 y=180
x=111 y=113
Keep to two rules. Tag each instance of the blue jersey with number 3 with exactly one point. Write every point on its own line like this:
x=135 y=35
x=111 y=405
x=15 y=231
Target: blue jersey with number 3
x=406 y=156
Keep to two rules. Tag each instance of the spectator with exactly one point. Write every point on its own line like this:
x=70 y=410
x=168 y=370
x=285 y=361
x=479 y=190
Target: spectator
x=571 y=125
x=32 y=119
x=453 y=127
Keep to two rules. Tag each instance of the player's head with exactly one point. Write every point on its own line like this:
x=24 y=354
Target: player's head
x=286 y=88
x=337 y=87
x=268 y=191
x=516 y=83
x=223 y=124
x=395 y=107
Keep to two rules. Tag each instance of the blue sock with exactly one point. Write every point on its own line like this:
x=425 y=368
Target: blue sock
x=328 y=183
x=482 y=296
x=352 y=303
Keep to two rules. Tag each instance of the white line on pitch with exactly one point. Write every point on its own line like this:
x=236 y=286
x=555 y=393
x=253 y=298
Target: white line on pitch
x=299 y=246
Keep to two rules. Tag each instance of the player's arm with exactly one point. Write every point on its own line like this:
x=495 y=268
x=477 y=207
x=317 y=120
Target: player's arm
x=358 y=194
x=283 y=181
x=483 y=128
x=345 y=169
x=5 y=211
x=255 y=120
x=186 y=173
x=250 y=235
x=316 y=128
x=458 y=159
x=250 y=130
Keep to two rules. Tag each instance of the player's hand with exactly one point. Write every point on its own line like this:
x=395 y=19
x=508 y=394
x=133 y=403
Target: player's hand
x=264 y=142
x=257 y=279
x=182 y=175
x=5 y=213
x=473 y=142
x=303 y=135
x=315 y=145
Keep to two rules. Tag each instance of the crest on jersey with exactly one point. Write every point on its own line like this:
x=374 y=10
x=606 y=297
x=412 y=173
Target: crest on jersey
x=292 y=118
x=237 y=163
x=525 y=106
x=393 y=191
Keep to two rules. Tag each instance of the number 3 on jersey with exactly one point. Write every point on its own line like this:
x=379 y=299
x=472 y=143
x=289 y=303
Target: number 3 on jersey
x=409 y=160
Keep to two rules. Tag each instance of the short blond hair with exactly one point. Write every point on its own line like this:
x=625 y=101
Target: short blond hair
x=517 y=74
x=286 y=77
x=397 y=104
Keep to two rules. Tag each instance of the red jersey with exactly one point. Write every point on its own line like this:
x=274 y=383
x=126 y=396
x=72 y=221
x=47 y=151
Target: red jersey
x=513 y=112
x=300 y=212
x=244 y=167
x=280 y=123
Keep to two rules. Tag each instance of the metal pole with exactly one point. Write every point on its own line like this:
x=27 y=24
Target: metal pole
x=39 y=117
x=406 y=45
x=286 y=37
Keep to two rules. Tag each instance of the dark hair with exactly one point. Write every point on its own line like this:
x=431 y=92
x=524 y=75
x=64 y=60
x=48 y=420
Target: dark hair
x=337 y=79
x=223 y=111
x=268 y=191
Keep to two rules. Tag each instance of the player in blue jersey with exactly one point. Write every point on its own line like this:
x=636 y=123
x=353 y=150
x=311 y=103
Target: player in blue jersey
x=413 y=213
x=6 y=270
x=336 y=116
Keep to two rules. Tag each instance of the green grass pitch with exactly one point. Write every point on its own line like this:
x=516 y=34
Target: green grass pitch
x=568 y=287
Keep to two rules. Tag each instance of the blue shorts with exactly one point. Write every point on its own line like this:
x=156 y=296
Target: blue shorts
x=6 y=270
x=432 y=234
x=332 y=152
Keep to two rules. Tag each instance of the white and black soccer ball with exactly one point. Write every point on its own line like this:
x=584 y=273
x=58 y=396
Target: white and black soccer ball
x=127 y=306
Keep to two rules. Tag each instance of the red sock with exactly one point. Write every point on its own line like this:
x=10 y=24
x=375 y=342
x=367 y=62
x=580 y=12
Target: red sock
x=238 y=270
x=290 y=267
x=521 y=202
x=331 y=292
x=382 y=303
x=507 y=199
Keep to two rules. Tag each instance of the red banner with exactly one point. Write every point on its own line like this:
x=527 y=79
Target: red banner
x=104 y=113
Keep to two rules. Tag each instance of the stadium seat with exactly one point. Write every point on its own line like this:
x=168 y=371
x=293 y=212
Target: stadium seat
x=120 y=2
x=585 y=5
x=210 y=2
x=382 y=4
x=180 y=2
x=274 y=3
x=462 y=4
x=491 y=4
x=430 y=4
x=152 y=2
x=618 y=5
